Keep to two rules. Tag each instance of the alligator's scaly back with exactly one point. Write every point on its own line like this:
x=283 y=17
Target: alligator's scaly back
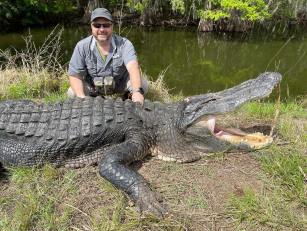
x=32 y=133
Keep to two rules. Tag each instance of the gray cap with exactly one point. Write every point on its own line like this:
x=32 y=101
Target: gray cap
x=101 y=13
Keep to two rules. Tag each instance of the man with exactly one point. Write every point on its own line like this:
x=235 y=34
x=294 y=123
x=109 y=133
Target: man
x=105 y=63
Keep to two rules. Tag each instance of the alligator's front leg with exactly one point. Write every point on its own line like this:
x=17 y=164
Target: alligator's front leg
x=114 y=167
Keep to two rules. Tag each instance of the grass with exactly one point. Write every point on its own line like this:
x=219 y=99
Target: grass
x=37 y=201
x=266 y=110
x=257 y=212
x=196 y=200
x=49 y=199
x=281 y=205
x=287 y=167
x=61 y=199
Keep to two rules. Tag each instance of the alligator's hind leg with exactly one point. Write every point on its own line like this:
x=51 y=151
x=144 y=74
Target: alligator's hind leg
x=114 y=167
x=87 y=159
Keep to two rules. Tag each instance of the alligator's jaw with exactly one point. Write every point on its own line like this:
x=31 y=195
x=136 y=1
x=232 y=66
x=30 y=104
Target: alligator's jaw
x=228 y=100
x=250 y=141
x=217 y=139
x=237 y=137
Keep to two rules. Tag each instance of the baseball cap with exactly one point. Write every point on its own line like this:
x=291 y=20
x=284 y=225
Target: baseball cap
x=101 y=13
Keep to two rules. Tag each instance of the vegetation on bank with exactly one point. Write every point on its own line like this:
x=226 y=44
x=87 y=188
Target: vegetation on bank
x=35 y=72
x=229 y=15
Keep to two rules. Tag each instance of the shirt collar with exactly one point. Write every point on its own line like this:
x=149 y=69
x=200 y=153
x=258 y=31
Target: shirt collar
x=93 y=43
x=113 y=45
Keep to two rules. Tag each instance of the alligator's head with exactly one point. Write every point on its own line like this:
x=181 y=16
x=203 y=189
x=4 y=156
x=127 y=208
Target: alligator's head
x=176 y=143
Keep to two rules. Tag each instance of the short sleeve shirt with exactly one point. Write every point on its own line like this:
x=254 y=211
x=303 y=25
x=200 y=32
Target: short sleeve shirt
x=86 y=62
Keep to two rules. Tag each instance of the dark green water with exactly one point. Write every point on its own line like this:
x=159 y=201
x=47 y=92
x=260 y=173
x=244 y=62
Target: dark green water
x=198 y=63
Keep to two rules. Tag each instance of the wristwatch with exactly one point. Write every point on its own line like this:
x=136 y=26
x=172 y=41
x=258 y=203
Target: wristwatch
x=140 y=89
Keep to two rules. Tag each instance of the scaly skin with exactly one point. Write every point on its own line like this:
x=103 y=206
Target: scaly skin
x=114 y=133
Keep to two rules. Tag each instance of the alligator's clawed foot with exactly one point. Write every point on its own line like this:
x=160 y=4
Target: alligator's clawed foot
x=148 y=204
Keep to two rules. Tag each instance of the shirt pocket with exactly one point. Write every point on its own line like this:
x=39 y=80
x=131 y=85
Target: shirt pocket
x=91 y=67
x=118 y=67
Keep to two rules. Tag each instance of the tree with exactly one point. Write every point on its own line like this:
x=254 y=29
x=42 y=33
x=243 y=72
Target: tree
x=234 y=15
x=91 y=5
x=33 y=12
x=230 y=15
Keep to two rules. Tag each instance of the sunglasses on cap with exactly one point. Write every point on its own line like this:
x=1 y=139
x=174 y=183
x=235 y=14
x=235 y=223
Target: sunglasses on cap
x=101 y=25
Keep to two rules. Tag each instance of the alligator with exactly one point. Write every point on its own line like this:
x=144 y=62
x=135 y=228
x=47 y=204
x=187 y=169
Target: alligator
x=113 y=133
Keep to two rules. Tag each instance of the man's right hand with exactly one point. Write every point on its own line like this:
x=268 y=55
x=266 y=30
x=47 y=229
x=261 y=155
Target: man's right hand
x=137 y=97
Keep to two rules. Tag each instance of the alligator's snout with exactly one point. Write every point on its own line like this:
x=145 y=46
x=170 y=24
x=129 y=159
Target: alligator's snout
x=230 y=99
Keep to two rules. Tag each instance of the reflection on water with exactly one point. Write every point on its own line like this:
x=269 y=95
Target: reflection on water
x=199 y=63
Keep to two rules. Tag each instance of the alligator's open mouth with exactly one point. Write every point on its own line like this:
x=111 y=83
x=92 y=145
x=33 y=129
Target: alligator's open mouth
x=204 y=137
x=238 y=137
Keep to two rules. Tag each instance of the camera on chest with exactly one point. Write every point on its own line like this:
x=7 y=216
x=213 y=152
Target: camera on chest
x=104 y=85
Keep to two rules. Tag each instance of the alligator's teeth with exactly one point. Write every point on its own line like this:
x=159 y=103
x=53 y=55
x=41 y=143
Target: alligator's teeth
x=166 y=158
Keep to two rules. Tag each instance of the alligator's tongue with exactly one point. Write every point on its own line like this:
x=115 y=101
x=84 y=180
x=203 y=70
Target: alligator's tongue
x=219 y=132
x=214 y=129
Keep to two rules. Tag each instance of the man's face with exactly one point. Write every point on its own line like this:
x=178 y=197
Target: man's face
x=102 y=29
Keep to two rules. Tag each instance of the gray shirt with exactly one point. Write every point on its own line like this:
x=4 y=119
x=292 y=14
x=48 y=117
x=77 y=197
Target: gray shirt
x=86 y=62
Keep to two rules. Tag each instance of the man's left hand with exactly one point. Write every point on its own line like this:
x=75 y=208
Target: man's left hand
x=137 y=97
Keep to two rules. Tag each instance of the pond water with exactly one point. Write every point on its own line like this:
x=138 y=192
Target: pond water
x=196 y=63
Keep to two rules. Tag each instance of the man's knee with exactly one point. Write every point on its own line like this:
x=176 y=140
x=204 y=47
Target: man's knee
x=86 y=89
x=70 y=93
x=144 y=85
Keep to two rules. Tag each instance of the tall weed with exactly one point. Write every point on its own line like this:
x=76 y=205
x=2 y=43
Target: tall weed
x=33 y=72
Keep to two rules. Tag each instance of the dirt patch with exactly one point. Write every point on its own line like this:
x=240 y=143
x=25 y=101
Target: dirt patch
x=197 y=191
x=201 y=190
